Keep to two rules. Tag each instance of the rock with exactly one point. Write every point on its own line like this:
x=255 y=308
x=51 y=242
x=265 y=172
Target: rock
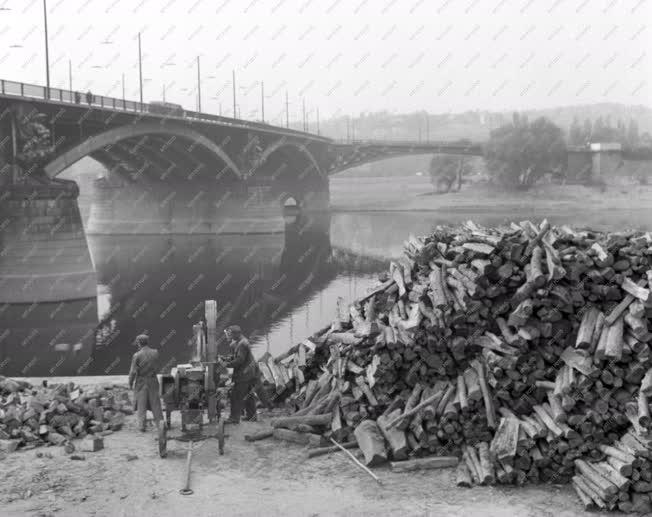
x=56 y=438
x=92 y=444
x=9 y=445
x=78 y=457
x=69 y=448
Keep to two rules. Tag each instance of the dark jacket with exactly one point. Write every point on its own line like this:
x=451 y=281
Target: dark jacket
x=144 y=367
x=243 y=363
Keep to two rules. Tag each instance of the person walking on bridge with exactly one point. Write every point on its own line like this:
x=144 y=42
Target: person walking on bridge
x=89 y=97
x=245 y=376
x=142 y=379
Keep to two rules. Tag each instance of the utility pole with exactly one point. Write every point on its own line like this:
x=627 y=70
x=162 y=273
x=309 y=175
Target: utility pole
x=262 y=100
x=140 y=70
x=47 y=50
x=198 y=86
x=70 y=76
x=235 y=115
x=287 y=110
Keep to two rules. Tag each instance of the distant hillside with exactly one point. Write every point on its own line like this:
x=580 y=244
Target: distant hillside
x=473 y=125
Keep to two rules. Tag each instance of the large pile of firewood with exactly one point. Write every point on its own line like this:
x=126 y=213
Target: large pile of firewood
x=37 y=415
x=522 y=350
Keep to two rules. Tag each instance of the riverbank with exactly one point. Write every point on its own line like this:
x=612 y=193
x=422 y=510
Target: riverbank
x=617 y=208
x=268 y=477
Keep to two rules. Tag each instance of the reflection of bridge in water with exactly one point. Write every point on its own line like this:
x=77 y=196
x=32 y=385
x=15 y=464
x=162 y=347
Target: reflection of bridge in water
x=152 y=283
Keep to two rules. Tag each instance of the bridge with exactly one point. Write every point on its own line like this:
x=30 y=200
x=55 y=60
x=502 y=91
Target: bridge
x=181 y=171
x=203 y=165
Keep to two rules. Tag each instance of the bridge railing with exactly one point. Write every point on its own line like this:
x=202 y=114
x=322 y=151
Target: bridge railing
x=34 y=91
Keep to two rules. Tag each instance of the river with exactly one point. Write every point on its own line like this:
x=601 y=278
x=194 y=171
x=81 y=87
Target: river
x=279 y=288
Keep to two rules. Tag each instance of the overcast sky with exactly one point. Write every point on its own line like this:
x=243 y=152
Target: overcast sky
x=345 y=56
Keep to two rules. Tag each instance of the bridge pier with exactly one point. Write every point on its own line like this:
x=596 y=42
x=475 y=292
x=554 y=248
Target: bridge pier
x=46 y=270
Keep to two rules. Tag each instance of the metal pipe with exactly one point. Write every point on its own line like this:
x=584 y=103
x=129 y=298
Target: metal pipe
x=186 y=490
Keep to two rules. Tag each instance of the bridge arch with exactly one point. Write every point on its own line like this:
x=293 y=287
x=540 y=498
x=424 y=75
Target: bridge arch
x=279 y=144
x=112 y=136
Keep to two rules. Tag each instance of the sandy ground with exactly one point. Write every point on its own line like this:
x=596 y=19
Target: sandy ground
x=268 y=478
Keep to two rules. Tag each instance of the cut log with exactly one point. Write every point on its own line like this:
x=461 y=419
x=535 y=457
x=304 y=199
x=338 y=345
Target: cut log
x=587 y=327
x=486 y=464
x=595 y=477
x=314 y=420
x=463 y=476
x=260 y=435
x=320 y=451
x=587 y=503
x=503 y=445
x=395 y=437
x=314 y=440
x=614 y=344
x=433 y=462
x=371 y=442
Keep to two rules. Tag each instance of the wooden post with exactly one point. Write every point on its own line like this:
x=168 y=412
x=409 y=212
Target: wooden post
x=210 y=355
x=210 y=311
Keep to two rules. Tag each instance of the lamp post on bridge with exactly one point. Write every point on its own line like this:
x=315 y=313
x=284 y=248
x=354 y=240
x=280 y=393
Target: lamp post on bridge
x=287 y=110
x=198 y=86
x=70 y=76
x=235 y=115
x=47 y=50
x=140 y=71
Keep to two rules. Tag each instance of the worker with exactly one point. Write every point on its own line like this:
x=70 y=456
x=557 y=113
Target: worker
x=245 y=376
x=142 y=379
x=77 y=98
x=89 y=97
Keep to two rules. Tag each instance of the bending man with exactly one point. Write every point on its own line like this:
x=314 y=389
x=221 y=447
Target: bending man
x=245 y=376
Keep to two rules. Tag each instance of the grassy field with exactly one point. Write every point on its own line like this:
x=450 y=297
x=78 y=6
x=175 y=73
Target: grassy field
x=618 y=207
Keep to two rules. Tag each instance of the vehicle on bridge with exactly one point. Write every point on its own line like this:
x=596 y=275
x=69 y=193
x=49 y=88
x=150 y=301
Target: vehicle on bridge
x=166 y=108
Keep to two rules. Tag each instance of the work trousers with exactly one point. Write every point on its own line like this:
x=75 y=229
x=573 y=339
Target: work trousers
x=242 y=397
x=146 y=395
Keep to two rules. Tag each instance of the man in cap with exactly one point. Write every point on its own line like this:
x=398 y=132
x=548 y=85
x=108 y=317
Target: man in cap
x=142 y=379
x=245 y=375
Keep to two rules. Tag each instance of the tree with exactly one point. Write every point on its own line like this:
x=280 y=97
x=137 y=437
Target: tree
x=575 y=136
x=446 y=169
x=632 y=133
x=517 y=155
x=586 y=131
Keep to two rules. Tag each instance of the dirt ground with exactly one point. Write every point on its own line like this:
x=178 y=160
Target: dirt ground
x=268 y=478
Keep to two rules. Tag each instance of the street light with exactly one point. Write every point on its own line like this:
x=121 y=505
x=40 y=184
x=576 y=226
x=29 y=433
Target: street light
x=198 y=86
x=140 y=69
x=234 y=105
x=47 y=50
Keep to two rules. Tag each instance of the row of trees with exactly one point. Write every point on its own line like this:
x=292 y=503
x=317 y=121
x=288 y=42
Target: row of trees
x=602 y=130
x=517 y=155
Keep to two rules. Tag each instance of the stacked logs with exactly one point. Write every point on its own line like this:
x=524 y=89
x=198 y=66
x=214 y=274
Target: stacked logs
x=531 y=340
x=37 y=415
x=623 y=480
